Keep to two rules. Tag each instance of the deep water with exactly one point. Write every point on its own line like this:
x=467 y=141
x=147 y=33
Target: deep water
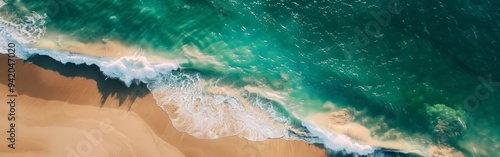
x=430 y=69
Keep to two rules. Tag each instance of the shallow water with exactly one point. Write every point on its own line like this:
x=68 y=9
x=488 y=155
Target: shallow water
x=426 y=72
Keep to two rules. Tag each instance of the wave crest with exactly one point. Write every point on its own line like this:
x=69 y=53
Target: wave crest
x=26 y=30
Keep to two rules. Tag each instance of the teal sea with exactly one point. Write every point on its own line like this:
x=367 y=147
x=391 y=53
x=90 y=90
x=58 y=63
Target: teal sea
x=424 y=72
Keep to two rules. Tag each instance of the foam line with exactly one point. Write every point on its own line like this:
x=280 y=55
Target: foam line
x=196 y=106
x=338 y=142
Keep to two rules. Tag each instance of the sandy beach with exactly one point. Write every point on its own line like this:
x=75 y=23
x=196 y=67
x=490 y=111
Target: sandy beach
x=62 y=116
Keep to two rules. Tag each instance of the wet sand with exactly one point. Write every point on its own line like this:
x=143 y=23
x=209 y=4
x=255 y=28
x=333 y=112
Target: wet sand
x=62 y=116
x=105 y=48
x=340 y=121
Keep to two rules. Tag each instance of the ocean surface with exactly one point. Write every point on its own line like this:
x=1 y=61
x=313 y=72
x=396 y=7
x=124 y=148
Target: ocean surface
x=425 y=72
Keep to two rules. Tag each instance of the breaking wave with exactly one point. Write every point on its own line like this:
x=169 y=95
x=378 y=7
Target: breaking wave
x=200 y=107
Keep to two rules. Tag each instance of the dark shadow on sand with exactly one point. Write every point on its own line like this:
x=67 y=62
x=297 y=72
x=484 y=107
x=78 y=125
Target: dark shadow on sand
x=106 y=86
x=116 y=88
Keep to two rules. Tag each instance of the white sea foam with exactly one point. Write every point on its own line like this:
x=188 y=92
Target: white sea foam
x=338 y=142
x=204 y=110
x=129 y=69
x=20 y=30
x=219 y=112
x=196 y=106
x=24 y=30
x=217 y=115
x=203 y=114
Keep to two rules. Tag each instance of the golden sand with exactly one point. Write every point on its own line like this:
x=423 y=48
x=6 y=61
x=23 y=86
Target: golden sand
x=59 y=116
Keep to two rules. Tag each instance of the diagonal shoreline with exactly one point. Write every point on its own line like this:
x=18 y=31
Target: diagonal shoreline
x=44 y=91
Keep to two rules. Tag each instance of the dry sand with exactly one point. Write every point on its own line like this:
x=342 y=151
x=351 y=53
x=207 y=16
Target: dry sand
x=61 y=116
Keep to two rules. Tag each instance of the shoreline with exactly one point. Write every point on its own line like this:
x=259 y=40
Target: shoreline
x=42 y=91
x=106 y=48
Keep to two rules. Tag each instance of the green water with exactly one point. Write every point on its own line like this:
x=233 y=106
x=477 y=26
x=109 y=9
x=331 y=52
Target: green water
x=415 y=71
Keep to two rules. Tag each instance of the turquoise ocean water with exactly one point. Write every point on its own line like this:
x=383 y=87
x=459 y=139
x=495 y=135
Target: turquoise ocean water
x=427 y=71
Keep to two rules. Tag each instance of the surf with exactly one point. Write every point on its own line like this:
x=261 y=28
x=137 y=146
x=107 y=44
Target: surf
x=190 y=100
